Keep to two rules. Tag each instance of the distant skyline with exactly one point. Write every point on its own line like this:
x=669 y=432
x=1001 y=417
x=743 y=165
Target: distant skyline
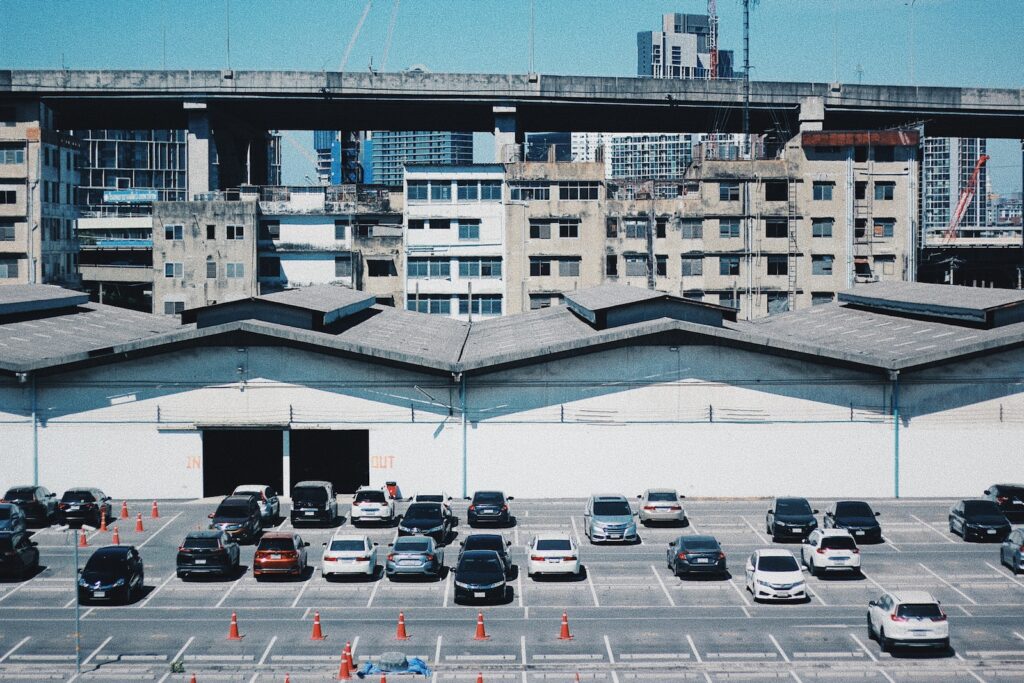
x=915 y=42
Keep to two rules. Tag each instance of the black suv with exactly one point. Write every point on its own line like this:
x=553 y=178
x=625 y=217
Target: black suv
x=489 y=507
x=480 y=575
x=426 y=519
x=114 y=573
x=855 y=516
x=980 y=520
x=494 y=542
x=84 y=506
x=239 y=517
x=18 y=555
x=1009 y=498
x=207 y=552
x=38 y=504
x=314 y=501
x=790 y=518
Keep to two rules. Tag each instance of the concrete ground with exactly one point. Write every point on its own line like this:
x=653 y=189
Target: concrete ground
x=631 y=619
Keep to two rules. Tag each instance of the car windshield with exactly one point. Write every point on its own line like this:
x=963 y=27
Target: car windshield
x=1010 y=491
x=838 y=543
x=370 y=497
x=480 y=564
x=313 y=494
x=554 y=544
x=276 y=544
x=5 y=512
x=347 y=545
x=484 y=543
x=792 y=506
x=925 y=610
x=232 y=512
x=429 y=498
x=201 y=542
x=6 y=544
x=20 y=494
x=423 y=511
x=489 y=498
x=106 y=563
x=854 y=509
x=615 y=508
x=778 y=563
x=411 y=546
x=77 y=497
x=661 y=497
x=698 y=544
x=982 y=508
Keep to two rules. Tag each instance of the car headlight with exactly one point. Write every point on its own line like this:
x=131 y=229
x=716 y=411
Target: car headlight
x=763 y=583
x=460 y=584
x=83 y=583
x=437 y=528
x=799 y=584
x=118 y=583
x=490 y=585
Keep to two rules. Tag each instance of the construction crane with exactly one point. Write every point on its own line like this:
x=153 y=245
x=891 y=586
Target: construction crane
x=966 y=195
x=713 y=38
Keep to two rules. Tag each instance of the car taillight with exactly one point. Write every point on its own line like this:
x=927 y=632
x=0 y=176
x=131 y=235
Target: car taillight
x=364 y=558
x=897 y=618
x=331 y=559
x=676 y=508
x=63 y=506
x=182 y=548
x=356 y=503
x=820 y=551
x=941 y=617
x=429 y=557
x=855 y=551
x=536 y=558
x=504 y=507
x=472 y=507
x=569 y=559
x=721 y=555
x=391 y=557
x=1001 y=499
x=649 y=507
x=681 y=556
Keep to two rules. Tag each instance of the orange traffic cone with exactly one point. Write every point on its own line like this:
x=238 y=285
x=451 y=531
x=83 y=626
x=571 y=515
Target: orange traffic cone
x=564 y=633
x=138 y=522
x=82 y=542
x=480 y=678
x=124 y=509
x=348 y=656
x=345 y=669
x=400 y=634
x=383 y=678
x=287 y=678
x=481 y=634
x=233 y=630
x=317 y=633
x=193 y=679
x=116 y=540
x=103 y=520
x=577 y=677
x=156 y=511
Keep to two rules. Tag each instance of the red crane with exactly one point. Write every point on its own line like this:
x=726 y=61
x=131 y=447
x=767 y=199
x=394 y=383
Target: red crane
x=966 y=195
x=713 y=38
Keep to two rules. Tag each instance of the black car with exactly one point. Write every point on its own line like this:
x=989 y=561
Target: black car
x=113 y=573
x=18 y=555
x=790 y=518
x=12 y=518
x=1009 y=498
x=980 y=520
x=207 y=552
x=494 y=542
x=855 y=516
x=696 y=555
x=38 y=504
x=480 y=575
x=489 y=507
x=239 y=517
x=314 y=502
x=425 y=519
x=84 y=506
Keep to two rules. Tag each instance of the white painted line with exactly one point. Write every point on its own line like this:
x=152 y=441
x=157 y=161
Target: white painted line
x=515 y=535
x=778 y=647
x=815 y=594
x=1016 y=633
x=88 y=612
x=642 y=656
x=305 y=615
x=664 y=588
x=155 y=591
x=761 y=537
x=985 y=654
x=305 y=585
x=15 y=648
x=437 y=651
x=1000 y=572
x=177 y=657
x=608 y=646
x=164 y=677
x=16 y=589
x=873 y=582
x=892 y=545
x=266 y=652
x=373 y=593
x=593 y=591
x=887 y=676
x=254 y=678
x=976 y=676
x=153 y=535
x=690 y=525
x=948 y=584
x=519 y=587
x=944 y=536
x=447 y=587
x=696 y=655
x=741 y=592
x=964 y=610
x=864 y=647
x=97 y=650
x=234 y=585
x=522 y=648
x=795 y=677
x=355 y=644
x=575 y=531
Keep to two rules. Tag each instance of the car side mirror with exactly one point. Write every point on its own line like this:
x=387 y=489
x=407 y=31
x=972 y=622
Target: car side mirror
x=770 y=511
x=805 y=541
x=639 y=496
x=877 y=514
x=80 y=570
x=375 y=544
x=449 y=498
x=803 y=568
x=324 y=544
x=34 y=544
x=672 y=544
x=467 y=498
x=306 y=544
x=872 y=603
x=681 y=497
x=814 y=511
x=508 y=544
x=987 y=492
x=511 y=498
x=51 y=495
x=210 y=515
x=390 y=545
x=462 y=544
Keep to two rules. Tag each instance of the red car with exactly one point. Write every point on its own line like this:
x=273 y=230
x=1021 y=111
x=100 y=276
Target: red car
x=280 y=552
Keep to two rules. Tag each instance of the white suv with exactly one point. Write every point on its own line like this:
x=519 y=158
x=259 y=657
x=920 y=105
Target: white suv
x=911 y=618
x=830 y=549
x=372 y=505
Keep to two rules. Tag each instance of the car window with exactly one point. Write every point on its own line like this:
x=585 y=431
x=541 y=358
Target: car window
x=778 y=563
x=201 y=542
x=78 y=497
x=106 y=563
x=429 y=498
x=656 y=496
x=411 y=546
x=233 y=511
x=854 y=509
x=423 y=511
x=480 y=564
x=370 y=497
x=347 y=545
x=1010 y=491
x=838 y=543
x=276 y=544
x=613 y=508
x=924 y=610
x=981 y=507
x=554 y=544
x=19 y=494
x=699 y=544
x=484 y=543
x=792 y=506
x=313 y=494
x=488 y=498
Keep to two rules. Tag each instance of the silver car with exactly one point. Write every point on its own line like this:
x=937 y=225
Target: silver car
x=662 y=505
x=414 y=556
x=266 y=497
x=609 y=517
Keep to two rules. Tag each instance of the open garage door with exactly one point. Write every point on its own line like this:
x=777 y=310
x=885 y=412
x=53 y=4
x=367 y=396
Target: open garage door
x=340 y=456
x=241 y=456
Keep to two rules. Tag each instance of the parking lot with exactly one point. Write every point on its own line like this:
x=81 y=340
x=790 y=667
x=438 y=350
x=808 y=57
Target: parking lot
x=630 y=617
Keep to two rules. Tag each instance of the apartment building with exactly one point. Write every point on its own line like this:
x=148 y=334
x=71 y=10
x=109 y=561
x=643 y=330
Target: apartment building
x=38 y=178
x=455 y=227
x=393 y=150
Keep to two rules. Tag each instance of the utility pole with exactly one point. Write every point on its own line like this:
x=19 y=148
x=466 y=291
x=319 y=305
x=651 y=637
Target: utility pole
x=746 y=77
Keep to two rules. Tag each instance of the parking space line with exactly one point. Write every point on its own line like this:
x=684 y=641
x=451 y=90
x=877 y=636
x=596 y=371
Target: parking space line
x=608 y=646
x=266 y=652
x=153 y=535
x=795 y=677
x=944 y=536
x=519 y=587
x=255 y=677
x=593 y=591
x=447 y=587
x=155 y=591
x=97 y=650
x=373 y=593
x=815 y=594
x=17 y=588
x=1000 y=572
x=875 y=583
x=863 y=647
x=964 y=610
x=892 y=545
x=778 y=647
x=522 y=648
x=437 y=651
x=761 y=537
x=305 y=585
x=15 y=648
x=1016 y=633
x=743 y=596
x=886 y=676
x=575 y=532
x=664 y=588
x=228 y=591
x=948 y=584
x=976 y=677
x=693 y=647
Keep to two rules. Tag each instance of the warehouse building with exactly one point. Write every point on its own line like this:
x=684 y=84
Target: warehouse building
x=891 y=389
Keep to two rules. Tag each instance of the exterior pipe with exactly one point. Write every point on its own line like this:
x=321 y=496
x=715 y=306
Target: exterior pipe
x=35 y=434
x=894 y=377
x=461 y=379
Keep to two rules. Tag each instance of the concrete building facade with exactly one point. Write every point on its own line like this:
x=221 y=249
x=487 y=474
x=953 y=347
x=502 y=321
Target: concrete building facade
x=393 y=150
x=681 y=49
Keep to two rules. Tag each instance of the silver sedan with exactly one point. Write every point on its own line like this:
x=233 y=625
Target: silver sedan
x=414 y=556
x=662 y=505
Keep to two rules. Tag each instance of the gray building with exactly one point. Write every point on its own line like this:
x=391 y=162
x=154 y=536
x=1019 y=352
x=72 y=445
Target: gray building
x=392 y=150
x=946 y=168
x=681 y=49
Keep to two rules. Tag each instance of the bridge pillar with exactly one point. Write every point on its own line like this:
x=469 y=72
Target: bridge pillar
x=505 y=134
x=241 y=158
x=812 y=113
x=197 y=142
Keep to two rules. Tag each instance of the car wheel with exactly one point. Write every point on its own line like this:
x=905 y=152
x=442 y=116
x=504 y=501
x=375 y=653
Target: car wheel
x=871 y=631
x=944 y=645
x=884 y=644
x=815 y=572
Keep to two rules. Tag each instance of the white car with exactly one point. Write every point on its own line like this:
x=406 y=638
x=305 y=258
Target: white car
x=349 y=554
x=553 y=554
x=775 y=575
x=661 y=505
x=911 y=618
x=372 y=505
x=441 y=497
x=827 y=549
x=270 y=506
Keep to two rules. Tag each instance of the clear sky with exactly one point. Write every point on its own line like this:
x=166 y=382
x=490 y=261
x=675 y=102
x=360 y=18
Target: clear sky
x=923 y=42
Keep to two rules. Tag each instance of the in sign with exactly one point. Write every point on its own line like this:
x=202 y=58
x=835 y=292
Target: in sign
x=194 y=462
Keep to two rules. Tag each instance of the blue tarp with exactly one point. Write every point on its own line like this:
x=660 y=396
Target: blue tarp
x=414 y=666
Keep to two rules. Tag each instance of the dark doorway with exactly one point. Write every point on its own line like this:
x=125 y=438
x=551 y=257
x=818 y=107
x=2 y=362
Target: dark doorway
x=340 y=456
x=240 y=456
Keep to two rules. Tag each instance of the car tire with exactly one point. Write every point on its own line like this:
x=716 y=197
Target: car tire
x=944 y=645
x=884 y=644
x=871 y=631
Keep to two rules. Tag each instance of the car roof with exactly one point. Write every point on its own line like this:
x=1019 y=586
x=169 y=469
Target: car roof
x=313 y=482
x=1008 y=485
x=78 y=489
x=251 y=486
x=342 y=536
x=834 y=532
x=553 y=536
x=370 y=488
x=660 y=491
x=779 y=499
x=774 y=552
x=490 y=537
x=113 y=550
x=608 y=496
x=469 y=554
x=204 y=533
x=859 y=502
x=494 y=491
x=30 y=487
x=695 y=537
x=913 y=596
x=240 y=498
x=425 y=504
x=413 y=538
x=276 y=534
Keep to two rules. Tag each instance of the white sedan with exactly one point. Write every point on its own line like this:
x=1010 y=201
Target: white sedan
x=773 y=574
x=830 y=549
x=349 y=554
x=553 y=554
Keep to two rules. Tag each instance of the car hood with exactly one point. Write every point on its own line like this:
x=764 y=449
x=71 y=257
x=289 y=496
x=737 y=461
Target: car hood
x=479 y=578
x=795 y=519
x=103 y=578
x=409 y=523
x=780 y=577
x=613 y=519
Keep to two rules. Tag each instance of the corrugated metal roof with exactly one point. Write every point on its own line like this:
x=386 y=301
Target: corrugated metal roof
x=29 y=298
x=928 y=297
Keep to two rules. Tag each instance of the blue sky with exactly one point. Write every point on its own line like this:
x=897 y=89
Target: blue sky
x=924 y=42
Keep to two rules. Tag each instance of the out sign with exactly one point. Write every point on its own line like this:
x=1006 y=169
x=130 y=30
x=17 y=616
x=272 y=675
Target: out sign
x=382 y=462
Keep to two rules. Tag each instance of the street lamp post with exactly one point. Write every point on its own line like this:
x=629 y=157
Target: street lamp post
x=78 y=617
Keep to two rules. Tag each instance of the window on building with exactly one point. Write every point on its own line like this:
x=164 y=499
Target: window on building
x=490 y=190
x=581 y=190
x=236 y=232
x=729 y=299
x=235 y=270
x=419 y=267
x=778 y=302
x=440 y=191
x=483 y=304
x=439 y=304
x=341 y=227
x=636 y=265
x=660 y=227
x=885 y=264
x=342 y=265
x=729 y=191
x=381 y=267
x=569 y=266
x=173 y=232
x=884 y=227
x=8 y=269
x=544 y=300
x=439 y=224
x=661 y=265
x=532 y=190
x=692 y=265
x=885 y=153
x=611 y=265
x=416 y=223
x=568 y=227
x=469 y=229
x=884 y=190
x=822 y=227
x=822 y=190
x=821 y=265
x=611 y=226
x=692 y=229
x=635 y=227
x=729 y=227
x=540 y=266
x=778 y=264
x=860 y=189
x=173 y=307
x=488 y=266
x=860 y=154
x=417 y=190
x=468 y=190
x=776 y=228
x=211 y=269
x=211 y=232
x=819 y=298
x=269 y=230
x=776 y=191
x=12 y=154
x=270 y=266
x=728 y=265
x=540 y=230
x=8 y=196
x=860 y=228
x=7 y=231
x=173 y=269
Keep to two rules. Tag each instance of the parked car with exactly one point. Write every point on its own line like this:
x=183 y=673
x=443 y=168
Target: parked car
x=790 y=518
x=1011 y=553
x=553 y=554
x=696 y=555
x=609 y=517
x=372 y=505
x=662 y=505
x=910 y=618
x=114 y=573
x=480 y=575
x=239 y=517
x=12 y=518
x=1009 y=498
x=209 y=551
x=280 y=552
x=495 y=542
x=489 y=507
x=414 y=556
x=38 y=504
x=444 y=499
x=774 y=574
x=826 y=549
x=855 y=516
x=314 y=501
x=427 y=519
x=266 y=498
x=19 y=555
x=349 y=554
x=979 y=520
x=84 y=506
